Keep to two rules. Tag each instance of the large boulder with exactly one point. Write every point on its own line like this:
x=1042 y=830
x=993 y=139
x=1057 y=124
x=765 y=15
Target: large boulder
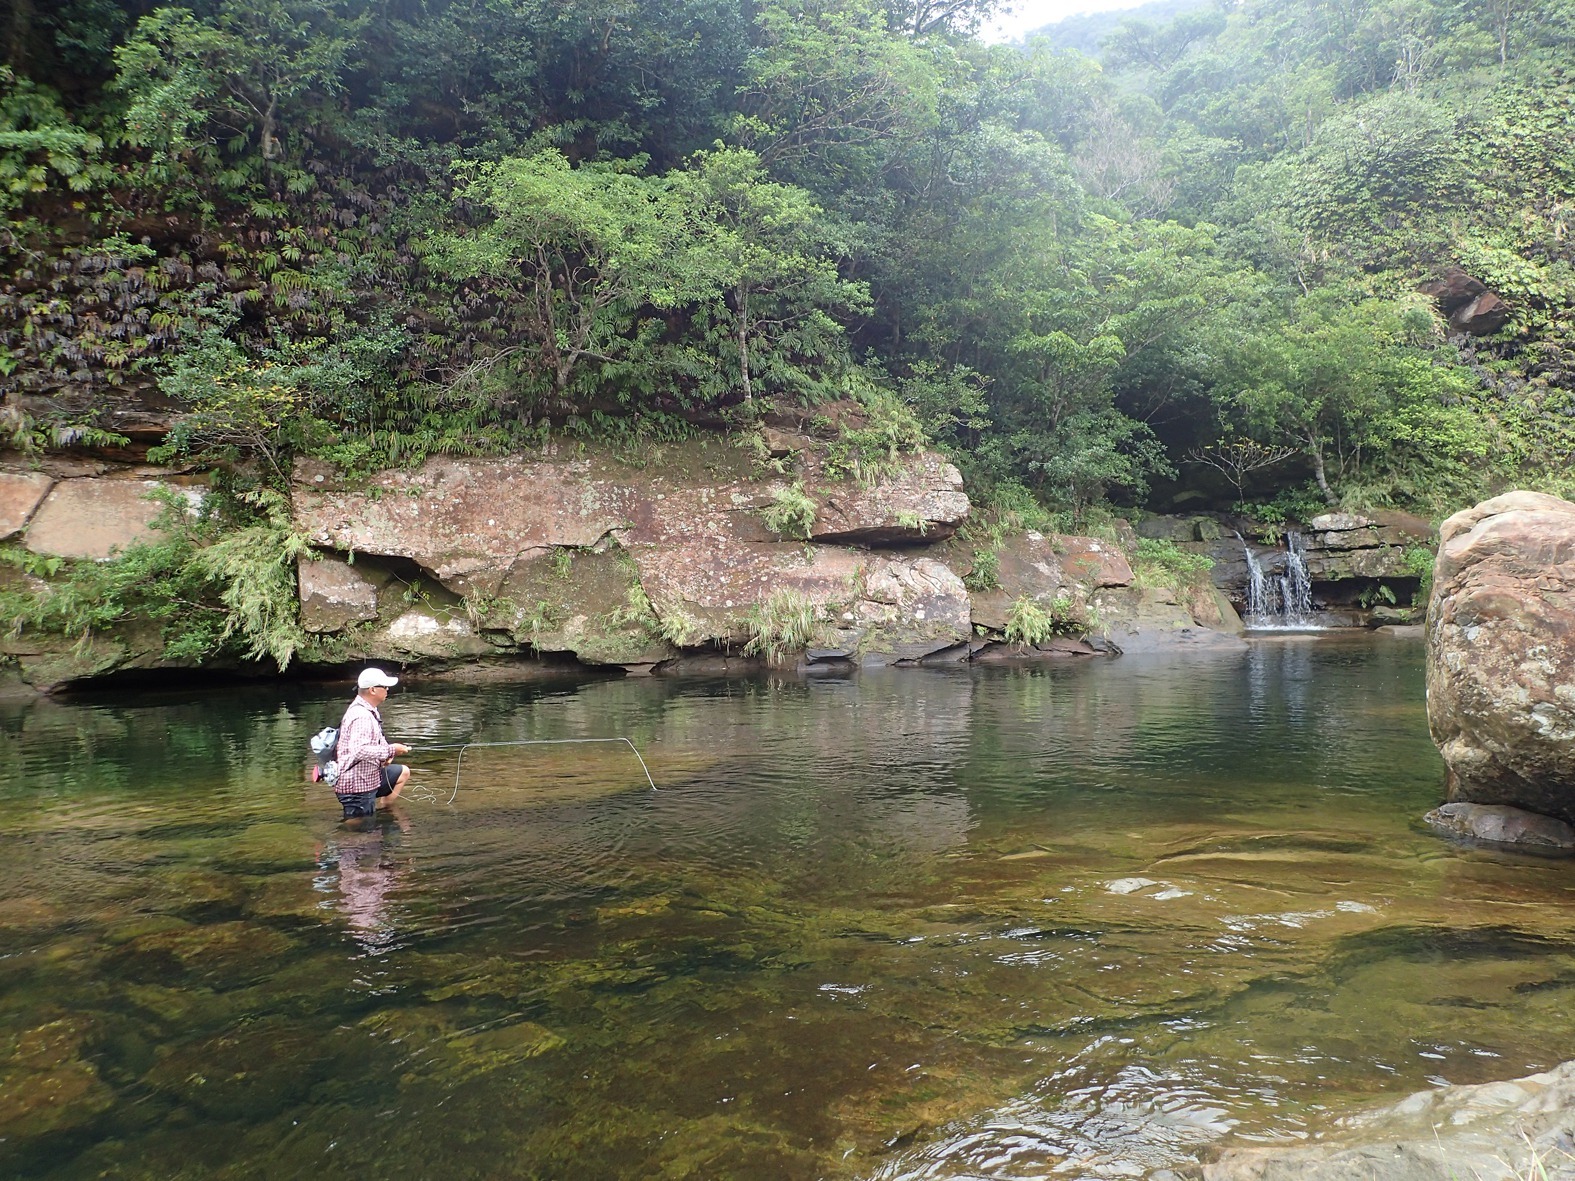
x=334 y=595
x=1043 y=568
x=1501 y=653
x=465 y=521
x=1467 y=302
x=1453 y=289
x=921 y=499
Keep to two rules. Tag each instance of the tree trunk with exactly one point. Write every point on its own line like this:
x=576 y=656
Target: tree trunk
x=270 y=145
x=742 y=323
x=1316 y=451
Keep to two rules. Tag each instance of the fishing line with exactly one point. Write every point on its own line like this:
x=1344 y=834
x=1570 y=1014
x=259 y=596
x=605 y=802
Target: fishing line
x=462 y=747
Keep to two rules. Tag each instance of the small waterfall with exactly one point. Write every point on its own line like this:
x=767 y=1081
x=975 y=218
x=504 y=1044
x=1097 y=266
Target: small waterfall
x=1279 y=601
x=1296 y=587
x=1258 y=606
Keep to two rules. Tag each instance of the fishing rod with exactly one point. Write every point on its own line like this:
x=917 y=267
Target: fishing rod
x=462 y=747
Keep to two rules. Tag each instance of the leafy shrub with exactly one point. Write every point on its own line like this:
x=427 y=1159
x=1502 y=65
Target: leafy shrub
x=1032 y=621
x=791 y=512
x=680 y=629
x=40 y=145
x=209 y=588
x=984 y=572
x=253 y=571
x=1418 y=562
x=865 y=454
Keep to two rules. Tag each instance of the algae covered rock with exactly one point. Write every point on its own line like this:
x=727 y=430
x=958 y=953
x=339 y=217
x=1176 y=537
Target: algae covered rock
x=248 y=1072
x=46 y=1082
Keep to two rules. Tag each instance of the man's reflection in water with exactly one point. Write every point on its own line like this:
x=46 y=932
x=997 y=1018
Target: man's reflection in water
x=363 y=862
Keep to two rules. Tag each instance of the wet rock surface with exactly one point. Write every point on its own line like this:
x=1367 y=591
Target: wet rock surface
x=1346 y=556
x=20 y=495
x=1501 y=653
x=1502 y=1131
x=1500 y=824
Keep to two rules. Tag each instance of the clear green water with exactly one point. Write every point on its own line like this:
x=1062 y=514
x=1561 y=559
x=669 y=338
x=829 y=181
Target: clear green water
x=892 y=926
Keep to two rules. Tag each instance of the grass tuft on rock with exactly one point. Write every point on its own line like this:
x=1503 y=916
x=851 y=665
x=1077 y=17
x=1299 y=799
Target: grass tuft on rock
x=787 y=621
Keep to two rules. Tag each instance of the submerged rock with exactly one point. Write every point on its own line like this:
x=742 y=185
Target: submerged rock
x=1501 y=653
x=47 y=1083
x=1502 y=825
x=249 y=1072
x=1505 y=1131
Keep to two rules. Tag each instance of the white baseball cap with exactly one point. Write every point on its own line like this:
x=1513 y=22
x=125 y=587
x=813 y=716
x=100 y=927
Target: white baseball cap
x=372 y=678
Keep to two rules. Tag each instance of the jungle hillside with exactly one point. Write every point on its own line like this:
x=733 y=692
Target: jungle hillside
x=1271 y=255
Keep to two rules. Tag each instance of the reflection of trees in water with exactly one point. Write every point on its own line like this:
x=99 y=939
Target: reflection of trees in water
x=774 y=771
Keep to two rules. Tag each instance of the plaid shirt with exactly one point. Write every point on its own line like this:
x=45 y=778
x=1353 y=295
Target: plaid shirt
x=362 y=750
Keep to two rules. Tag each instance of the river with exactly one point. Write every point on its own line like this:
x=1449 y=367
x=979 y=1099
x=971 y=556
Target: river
x=1074 y=918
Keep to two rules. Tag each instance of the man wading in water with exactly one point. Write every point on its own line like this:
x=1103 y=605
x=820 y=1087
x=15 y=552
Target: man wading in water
x=368 y=778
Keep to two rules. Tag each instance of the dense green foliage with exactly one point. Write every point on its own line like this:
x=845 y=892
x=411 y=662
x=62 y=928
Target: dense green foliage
x=374 y=232
x=216 y=582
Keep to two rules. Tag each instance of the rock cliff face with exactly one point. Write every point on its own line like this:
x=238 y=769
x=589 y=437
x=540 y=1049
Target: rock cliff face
x=68 y=508
x=622 y=565
x=701 y=552
x=1501 y=653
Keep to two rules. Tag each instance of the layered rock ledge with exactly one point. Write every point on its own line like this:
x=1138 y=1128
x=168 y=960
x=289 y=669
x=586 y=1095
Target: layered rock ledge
x=1361 y=566
x=690 y=557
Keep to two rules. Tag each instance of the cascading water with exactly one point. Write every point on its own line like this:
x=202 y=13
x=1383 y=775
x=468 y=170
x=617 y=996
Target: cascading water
x=1279 y=601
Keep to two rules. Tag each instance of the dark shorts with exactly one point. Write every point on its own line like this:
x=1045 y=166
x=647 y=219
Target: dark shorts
x=364 y=803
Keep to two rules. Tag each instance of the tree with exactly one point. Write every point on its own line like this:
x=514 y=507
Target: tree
x=40 y=145
x=242 y=73
x=830 y=92
x=763 y=243
x=577 y=252
x=919 y=18
x=1159 y=47
x=1236 y=458
x=1343 y=377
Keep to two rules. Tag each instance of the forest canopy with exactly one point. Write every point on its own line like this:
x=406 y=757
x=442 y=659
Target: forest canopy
x=1204 y=262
